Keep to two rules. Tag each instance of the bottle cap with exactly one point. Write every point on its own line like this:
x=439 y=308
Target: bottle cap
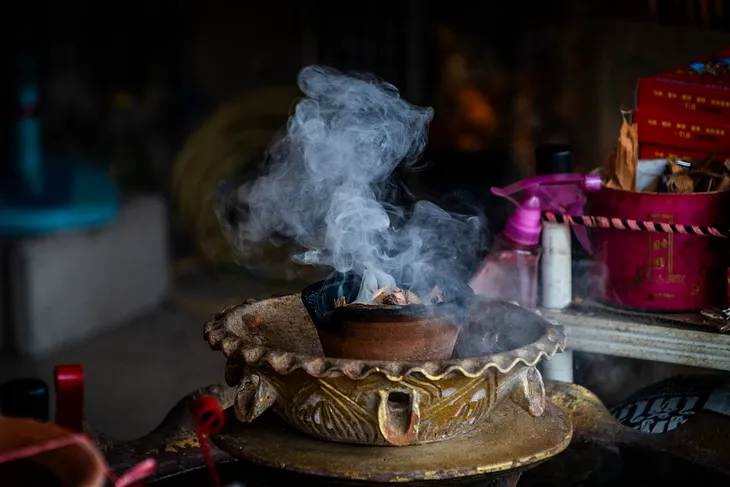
x=554 y=159
x=70 y=397
x=523 y=226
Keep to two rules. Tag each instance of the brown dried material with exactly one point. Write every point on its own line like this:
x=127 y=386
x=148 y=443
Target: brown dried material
x=681 y=184
x=397 y=297
x=675 y=168
x=621 y=170
x=380 y=292
x=706 y=175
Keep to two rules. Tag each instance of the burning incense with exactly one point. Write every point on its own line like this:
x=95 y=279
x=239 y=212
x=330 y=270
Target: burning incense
x=399 y=297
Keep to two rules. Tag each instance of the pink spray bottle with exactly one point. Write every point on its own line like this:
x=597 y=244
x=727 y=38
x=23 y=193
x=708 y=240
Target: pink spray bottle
x=510 y=270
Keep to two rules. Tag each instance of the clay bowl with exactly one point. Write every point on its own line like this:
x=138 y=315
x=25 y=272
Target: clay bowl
x=382 y=332
x=77 y=465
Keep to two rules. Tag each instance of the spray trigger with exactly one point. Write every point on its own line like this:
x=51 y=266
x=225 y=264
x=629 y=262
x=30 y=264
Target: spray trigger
x=560 y=193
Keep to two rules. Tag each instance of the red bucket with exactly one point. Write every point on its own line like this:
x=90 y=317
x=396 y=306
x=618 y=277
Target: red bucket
x=660 y=271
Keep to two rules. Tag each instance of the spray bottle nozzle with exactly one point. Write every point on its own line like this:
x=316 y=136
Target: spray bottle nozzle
x=523 y=226
x=562 y=193
x=555 y=190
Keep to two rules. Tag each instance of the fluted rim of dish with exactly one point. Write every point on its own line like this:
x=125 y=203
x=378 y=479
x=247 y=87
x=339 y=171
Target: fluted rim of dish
x=244 y=345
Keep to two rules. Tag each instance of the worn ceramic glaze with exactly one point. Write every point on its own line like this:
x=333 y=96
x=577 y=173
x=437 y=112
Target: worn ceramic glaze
x=489 y=449
x=276 y=360
x=381 y=332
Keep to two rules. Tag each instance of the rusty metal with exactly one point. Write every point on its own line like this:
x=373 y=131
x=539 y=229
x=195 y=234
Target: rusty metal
x=276 y=361
x=510 y=439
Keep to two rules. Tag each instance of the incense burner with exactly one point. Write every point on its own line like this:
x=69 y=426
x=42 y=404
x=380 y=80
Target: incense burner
x=276 y=361
x=382 y=332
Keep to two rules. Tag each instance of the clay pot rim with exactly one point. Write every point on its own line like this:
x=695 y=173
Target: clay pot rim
x=375 y=313
x=235 y=332
x=93 y=477
x=337 y=317
x=378 y=312
x=409 y=314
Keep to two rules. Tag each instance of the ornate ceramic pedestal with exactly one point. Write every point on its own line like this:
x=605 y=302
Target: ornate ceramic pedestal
x=275 y=360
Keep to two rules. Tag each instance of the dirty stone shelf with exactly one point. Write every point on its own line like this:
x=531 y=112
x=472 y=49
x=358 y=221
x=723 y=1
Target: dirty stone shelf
x=677 y=339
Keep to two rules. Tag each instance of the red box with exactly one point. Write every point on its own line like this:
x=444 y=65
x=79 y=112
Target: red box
x=648 y=151
x=677 y=130
x=700 y=89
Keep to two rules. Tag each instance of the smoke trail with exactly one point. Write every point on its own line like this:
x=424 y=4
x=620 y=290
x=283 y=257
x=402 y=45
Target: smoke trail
x=326 y=184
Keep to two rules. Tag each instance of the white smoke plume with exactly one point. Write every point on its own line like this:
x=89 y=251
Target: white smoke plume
x=326 y=187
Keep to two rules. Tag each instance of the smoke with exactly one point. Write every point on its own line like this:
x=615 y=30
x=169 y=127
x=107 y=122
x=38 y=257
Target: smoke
x=328 y=186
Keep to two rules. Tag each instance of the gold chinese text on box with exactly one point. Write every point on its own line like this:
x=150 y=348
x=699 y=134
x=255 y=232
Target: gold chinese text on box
x=661 y=258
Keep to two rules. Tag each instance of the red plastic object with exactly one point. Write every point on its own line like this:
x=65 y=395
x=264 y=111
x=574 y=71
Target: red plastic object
x=209 y=419
x=70 y=397
x=658 y=271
